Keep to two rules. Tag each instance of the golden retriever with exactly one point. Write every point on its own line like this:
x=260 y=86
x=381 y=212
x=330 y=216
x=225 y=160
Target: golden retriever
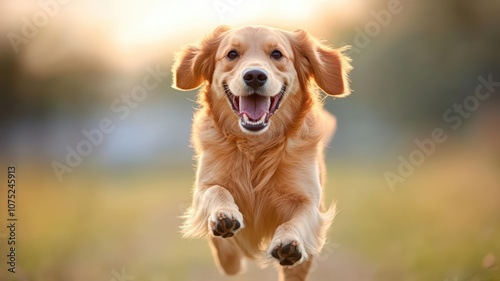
x=259 y=135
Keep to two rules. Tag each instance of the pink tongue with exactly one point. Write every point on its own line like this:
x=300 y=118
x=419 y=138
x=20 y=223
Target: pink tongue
x=254 y=106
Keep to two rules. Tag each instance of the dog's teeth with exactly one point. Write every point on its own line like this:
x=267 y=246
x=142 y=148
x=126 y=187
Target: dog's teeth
x=247 y=121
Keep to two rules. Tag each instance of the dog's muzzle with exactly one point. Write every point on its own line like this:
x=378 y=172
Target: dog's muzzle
x=254 y=110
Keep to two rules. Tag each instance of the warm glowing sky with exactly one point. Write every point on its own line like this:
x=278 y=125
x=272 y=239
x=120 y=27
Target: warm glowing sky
x=164 y=19
x=112 y=30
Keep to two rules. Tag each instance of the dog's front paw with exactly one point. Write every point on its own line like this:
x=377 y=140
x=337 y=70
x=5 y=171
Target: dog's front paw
x=287 y=251
x=225 y=223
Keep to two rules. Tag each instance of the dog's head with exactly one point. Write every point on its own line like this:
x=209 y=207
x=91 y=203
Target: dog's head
x=257 y=70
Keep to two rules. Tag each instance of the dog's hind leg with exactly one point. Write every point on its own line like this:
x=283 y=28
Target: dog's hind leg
x=227 y=255
x=296 y=273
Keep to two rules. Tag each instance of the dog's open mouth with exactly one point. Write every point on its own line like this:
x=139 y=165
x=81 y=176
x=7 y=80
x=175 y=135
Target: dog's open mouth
x=254 y=110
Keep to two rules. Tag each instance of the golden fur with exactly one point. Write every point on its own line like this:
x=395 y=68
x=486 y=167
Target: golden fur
x=269 y=182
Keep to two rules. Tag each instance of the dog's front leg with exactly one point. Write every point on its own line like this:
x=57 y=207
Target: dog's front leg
x=213 y=211
x=298 y=240
x=301 y=237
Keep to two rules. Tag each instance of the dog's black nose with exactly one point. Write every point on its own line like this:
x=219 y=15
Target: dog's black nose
x=255 y=78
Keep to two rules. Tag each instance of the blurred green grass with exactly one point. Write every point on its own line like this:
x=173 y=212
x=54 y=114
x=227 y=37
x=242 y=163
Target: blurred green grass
x=441 y=223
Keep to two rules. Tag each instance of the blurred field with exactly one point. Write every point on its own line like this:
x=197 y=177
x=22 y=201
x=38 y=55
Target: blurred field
x=437 y=226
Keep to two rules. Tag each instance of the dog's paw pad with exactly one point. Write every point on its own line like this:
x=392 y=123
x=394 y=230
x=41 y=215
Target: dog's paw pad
x=287 y=254
x=225 y=225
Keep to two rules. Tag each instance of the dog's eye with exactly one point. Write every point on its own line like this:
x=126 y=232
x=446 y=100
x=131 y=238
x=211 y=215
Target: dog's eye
x=232 y=55
x=277 y=55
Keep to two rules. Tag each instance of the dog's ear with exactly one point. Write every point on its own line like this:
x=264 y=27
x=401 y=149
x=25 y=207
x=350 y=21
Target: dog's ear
x=195 y=63
x=329 y=67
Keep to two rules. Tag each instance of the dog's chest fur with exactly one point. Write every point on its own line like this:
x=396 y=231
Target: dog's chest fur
x=261 y=174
